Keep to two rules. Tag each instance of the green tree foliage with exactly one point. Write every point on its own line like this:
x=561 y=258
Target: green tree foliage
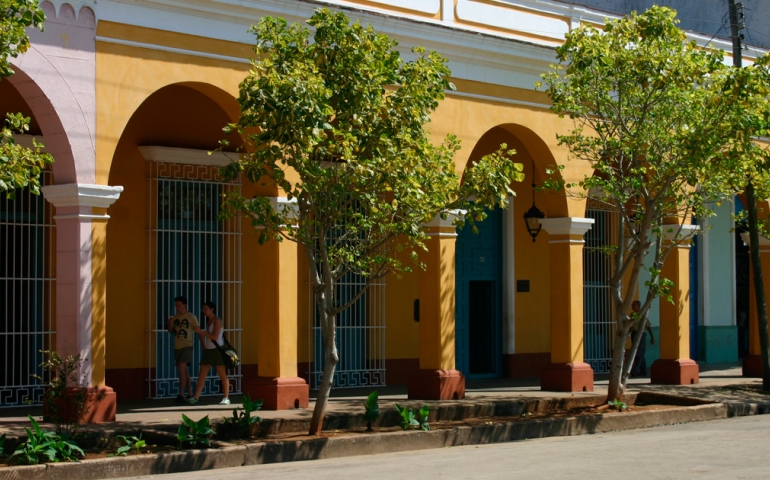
x=338 y=125
x=750 y=172
x=19 y=166
x=651 y=114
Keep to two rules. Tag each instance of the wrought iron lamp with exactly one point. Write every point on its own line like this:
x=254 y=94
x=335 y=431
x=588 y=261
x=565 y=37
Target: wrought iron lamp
x=533 y=215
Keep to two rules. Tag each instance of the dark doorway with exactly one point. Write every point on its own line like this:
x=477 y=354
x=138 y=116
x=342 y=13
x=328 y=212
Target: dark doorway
x=482 y=325
x=479 y=294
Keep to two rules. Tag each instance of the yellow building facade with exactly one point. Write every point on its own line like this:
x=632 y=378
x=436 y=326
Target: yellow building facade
x=134 y=194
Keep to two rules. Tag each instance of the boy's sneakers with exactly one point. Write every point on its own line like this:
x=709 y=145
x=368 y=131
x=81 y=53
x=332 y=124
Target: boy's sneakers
x=192 y=401
x=180 y=399
x=225 y=401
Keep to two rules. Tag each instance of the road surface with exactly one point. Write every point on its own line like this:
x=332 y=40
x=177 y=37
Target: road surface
x=723 y=449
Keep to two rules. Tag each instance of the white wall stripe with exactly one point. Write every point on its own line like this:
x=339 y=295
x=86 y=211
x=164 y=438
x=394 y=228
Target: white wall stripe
x=163 y=48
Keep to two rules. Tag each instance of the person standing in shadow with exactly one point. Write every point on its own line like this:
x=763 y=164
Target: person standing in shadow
x=639 y=367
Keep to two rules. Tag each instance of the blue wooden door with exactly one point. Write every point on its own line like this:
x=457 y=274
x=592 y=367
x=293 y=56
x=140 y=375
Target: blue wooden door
x=479 y=267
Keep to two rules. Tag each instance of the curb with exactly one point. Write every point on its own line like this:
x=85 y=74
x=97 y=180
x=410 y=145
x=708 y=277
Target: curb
x=389 y=442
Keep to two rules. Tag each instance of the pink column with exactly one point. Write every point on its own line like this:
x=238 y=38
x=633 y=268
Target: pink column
x=75 y=218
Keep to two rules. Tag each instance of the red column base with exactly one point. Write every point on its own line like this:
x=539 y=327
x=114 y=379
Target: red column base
x=568 y=377
x=278 y=393
x=99 y=405
x=437 y=385
x=681 y=371
x=752 y=366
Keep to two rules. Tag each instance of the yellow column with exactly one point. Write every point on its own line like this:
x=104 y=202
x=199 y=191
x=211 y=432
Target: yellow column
x=277 y=325
x=99 y=298
x=437 y=378
x=276 y=382
x=675 y=366
x=752 y=363
x=567 y=371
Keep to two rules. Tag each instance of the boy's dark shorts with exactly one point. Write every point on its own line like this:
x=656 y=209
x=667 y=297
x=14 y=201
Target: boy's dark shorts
x=183 y=355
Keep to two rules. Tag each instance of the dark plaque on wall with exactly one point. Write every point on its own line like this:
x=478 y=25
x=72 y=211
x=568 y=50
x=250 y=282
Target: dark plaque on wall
x=522 y=285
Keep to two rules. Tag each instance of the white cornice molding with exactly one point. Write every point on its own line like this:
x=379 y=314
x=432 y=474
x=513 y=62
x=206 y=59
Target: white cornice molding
x=488 y=98
x=242 y=12
x=498 y=16
x=285 y=207
x=679 y=232
x=217 y=19
x=763 y=241
x=567 y=225
x=444 y=223
x=81 y=195
x=187 y=156
x=163 y=48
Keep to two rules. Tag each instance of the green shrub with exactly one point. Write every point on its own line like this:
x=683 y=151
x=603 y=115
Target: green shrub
x=64 y=406
x=129 y=442
x=240 y=424
x=372 y=410
x=44 y=446
x=422 y=417
x=414 y=418
x=194 y=433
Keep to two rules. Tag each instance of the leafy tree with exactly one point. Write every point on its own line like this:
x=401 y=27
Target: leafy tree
x=650 y=116
x=19 y=166
x=337 y=124
x=750 y=172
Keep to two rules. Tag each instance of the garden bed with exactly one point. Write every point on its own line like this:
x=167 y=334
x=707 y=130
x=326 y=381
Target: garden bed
x=103 y=444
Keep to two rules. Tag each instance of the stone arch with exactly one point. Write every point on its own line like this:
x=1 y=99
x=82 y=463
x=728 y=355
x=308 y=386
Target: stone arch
x=56 y=77
x=205 y=92
x=530 y=150
x=184 y=116
x=57 y=140
x=526 y=312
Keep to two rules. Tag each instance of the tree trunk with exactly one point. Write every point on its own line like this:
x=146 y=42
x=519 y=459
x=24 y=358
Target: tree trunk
x=759 y=287
x=617 y=387
x=330 y=365
x=629 y=365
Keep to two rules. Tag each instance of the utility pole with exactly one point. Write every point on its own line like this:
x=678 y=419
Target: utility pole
x=736 y=25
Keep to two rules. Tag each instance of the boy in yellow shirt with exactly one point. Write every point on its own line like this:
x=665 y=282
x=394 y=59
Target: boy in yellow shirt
x=182 y=326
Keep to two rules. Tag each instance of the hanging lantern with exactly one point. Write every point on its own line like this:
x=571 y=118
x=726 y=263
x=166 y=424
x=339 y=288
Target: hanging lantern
x=533 y=215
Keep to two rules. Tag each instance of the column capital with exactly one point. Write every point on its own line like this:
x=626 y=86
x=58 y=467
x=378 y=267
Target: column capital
x=675 y=231
x=81 y=195
x=566 y=229
x=284 y=206
x=763 y=241
x=443 y=227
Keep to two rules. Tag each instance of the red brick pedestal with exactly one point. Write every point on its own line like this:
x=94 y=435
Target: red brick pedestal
x=99 y=406
x=682 y=371
x=437 y=385
x=278 y=393
x=568 y=377
x=752 y=366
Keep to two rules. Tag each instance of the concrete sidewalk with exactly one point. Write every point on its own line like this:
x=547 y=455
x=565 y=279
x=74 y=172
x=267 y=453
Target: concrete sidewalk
x=494 y=411
x=166 y=415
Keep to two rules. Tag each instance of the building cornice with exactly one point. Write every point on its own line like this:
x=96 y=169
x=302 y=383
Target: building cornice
x=81 y=195
x=187 y=156
x=567 y=225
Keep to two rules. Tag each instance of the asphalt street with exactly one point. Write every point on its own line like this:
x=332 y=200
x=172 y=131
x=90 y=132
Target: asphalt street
x=724 y=449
